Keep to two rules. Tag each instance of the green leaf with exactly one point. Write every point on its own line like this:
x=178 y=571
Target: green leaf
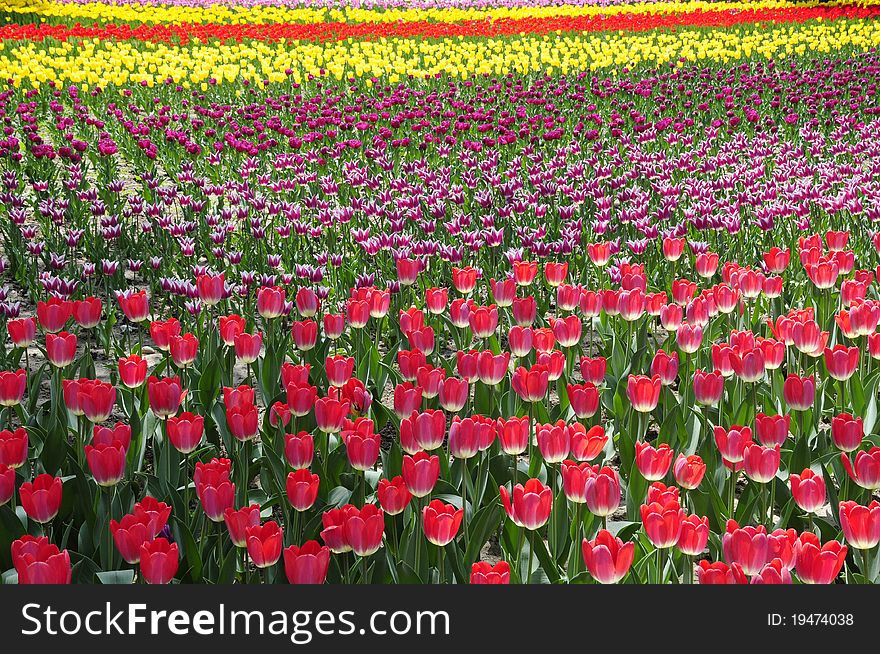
x=116 y=577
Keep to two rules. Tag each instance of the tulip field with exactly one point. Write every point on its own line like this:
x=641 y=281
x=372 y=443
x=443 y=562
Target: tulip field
x=439 y=292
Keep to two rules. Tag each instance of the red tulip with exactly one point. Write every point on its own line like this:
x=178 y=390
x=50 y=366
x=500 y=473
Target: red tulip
x=54 y=313
x=243 y=421
x=436 y=300
x=423 y=431
x=162 y=332
x=12 y=387
x=247 y=347
x=665 y=367
x=41 y=498
x=599 y=253
x=694 y=535
x=159 y=561
x=305 y=334
x=14 y=448
x=441 y=522
x=339 y=369
x=847 y=432
x=185 y=431
x=60 y=349
x=841 y=361
x=584 y=399
x=483 y=321
x=132 y=371
x=607 y=557
x=7 y=484
x=860 y=524
x=96 y=400
x=130 y=533
x=410 y=362
x=568 y=297
x=720 y=573
x=364 y=529
x=301 y=398
x=492 y=368
x=213 y=487
x=238 y=522
x=530 y=505
x=407 y=399
x=531 y=383
x=808 y=490
x=689 y=471
x=453 y=394
x=602 y=491
x=525 y=310
x=708 y=387
x=554 y=441
x=270 y=301
x=37 y=561
x=302 y=489
x=229 y=327
x=466 y=436
x=643 y=392
x=299 y=450
x=503 y=291
x=524 y=272
x=361 y=443
x=307 y=302
x=761 y=463
x=773 y=573
x=330 y=414
x=662 y=523
x=653 y=463
x=593 y=370
x=513 y=434
x=420 y=472
x=106 y=462
x=333 y=533
x=772 y=430
x=586 y=445
x=865 y=470
x=429 y=379
x=483 y=572
x=87 y=312
x=22 y=331
x=748 y=547
x=164 y=395
x=799 y=392
x=153 y=512
x=733 y=442
x=816 y=563
x=264 y=544
x=334 y=325
x=393 y=495
x=135 y=305
x=520 y=340
x=574 y=479
x=307 y=564
x=211 y=288
x=407 y=271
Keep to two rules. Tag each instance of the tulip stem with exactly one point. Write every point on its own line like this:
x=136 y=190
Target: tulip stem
x=440 y=571
x=732 y=490
x=519 y=544
x=465 y=473
x=772 y=502
x=364 y=570
x=531 y=554
x=416 y=516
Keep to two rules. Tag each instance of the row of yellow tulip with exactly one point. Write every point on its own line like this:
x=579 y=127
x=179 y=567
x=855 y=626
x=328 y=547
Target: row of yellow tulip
x=97 y=63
